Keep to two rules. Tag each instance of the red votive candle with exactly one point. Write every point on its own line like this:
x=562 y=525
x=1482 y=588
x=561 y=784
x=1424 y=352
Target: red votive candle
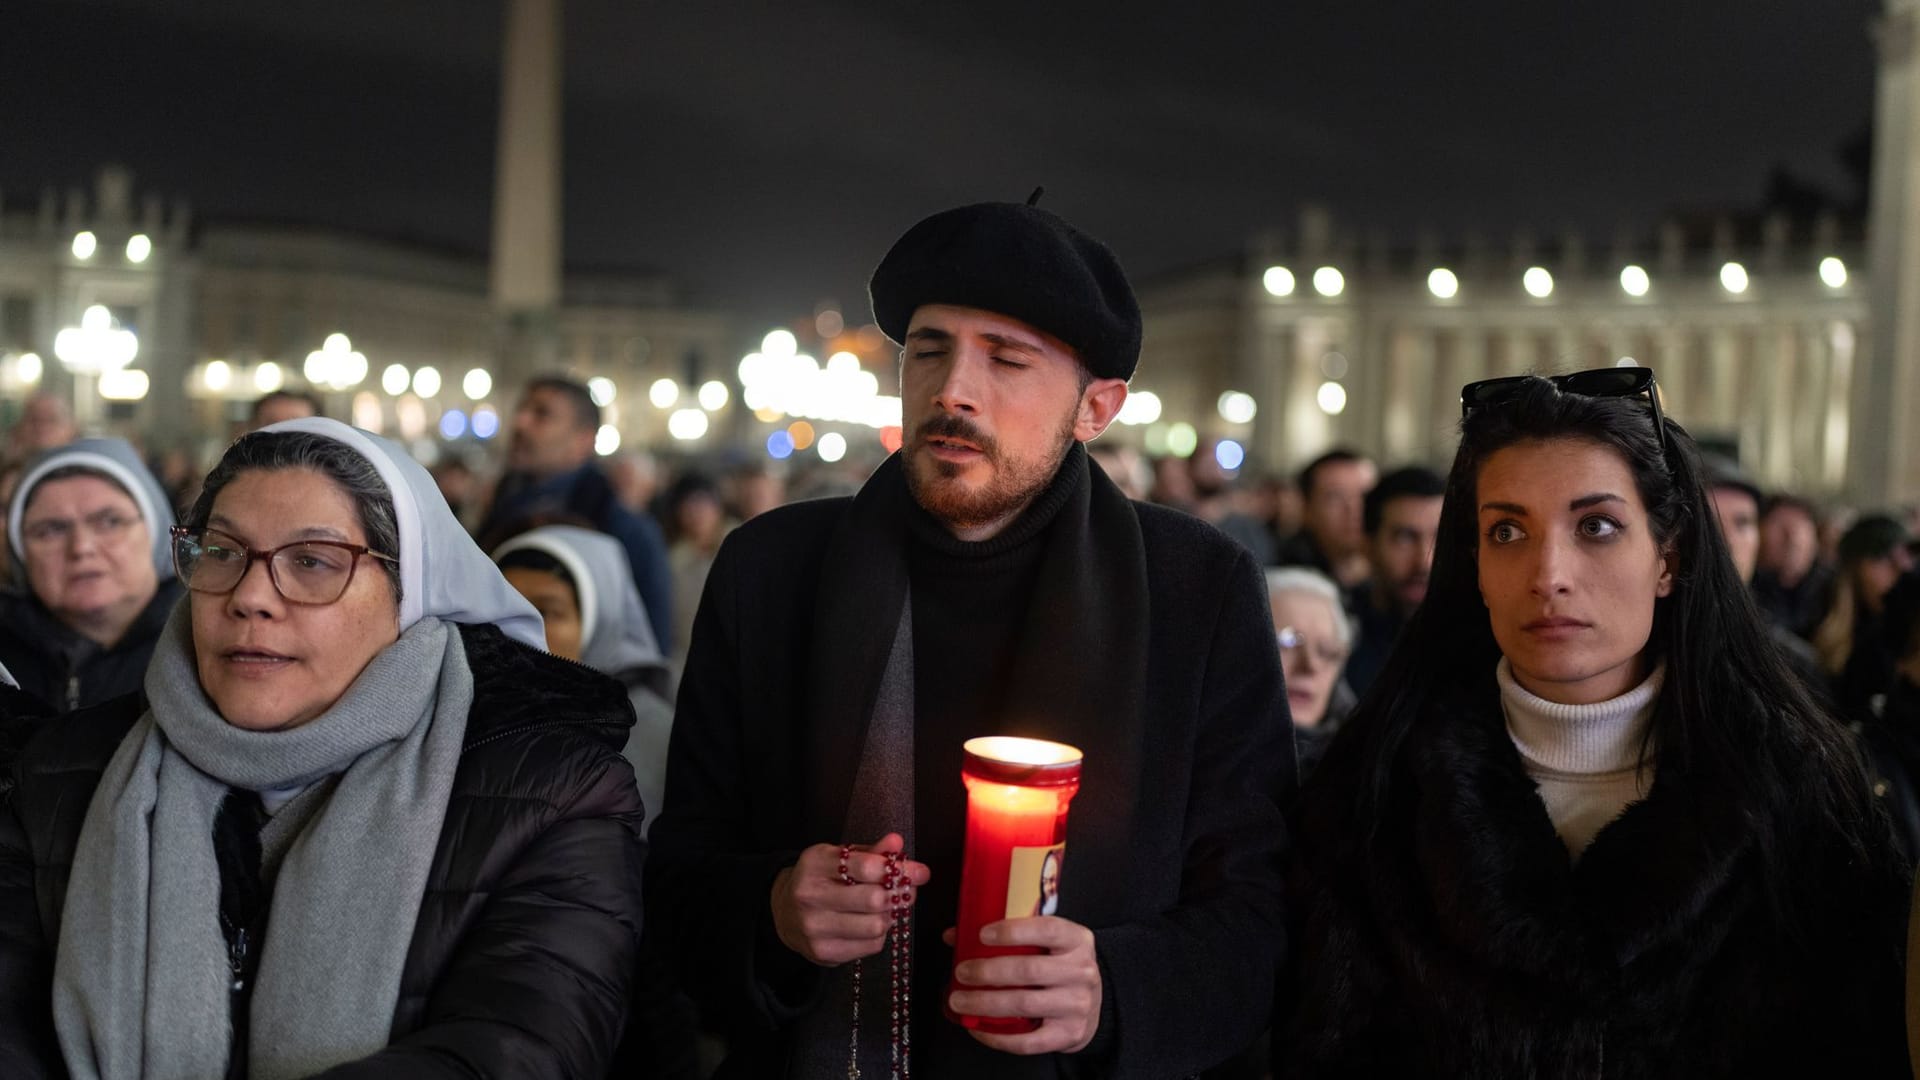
x=1017 y=795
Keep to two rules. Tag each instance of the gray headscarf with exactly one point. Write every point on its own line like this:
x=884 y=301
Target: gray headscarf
x=140 y=977
x=615 y=635
x=116 y=460
x=465 y=586
x=615 y=638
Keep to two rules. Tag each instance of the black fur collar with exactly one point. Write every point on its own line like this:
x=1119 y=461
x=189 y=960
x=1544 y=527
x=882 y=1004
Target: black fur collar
x=1500 y=885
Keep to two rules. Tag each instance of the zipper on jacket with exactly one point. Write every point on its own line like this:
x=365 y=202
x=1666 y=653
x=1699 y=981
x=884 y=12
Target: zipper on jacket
x=73 y=692
x=237 y=962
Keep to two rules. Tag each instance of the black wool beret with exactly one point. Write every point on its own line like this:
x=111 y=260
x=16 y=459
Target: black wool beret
x=1019 y=261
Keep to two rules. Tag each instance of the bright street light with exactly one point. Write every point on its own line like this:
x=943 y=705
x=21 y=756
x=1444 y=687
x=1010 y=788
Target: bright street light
x=96 y=345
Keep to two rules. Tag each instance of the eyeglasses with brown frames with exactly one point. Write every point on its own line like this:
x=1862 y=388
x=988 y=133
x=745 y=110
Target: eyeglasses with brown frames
x=314 y=572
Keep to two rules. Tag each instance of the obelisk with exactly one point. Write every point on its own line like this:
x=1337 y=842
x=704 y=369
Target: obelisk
x=1883 y=451
x=525 y=271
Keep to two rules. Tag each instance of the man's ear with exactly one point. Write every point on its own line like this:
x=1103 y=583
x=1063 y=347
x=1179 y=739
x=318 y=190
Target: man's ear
x=1099 y=403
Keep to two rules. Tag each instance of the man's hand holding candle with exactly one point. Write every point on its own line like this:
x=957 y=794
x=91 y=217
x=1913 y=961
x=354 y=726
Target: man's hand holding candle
x=1060 y=987
x=830 y=922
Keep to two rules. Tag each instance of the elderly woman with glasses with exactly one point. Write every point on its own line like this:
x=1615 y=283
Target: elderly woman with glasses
x=87 y=525
x=1587 y=823
x=1315 y=638
x=358 y=824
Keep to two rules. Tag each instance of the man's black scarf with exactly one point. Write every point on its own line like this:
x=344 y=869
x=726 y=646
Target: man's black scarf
x=1078 y=678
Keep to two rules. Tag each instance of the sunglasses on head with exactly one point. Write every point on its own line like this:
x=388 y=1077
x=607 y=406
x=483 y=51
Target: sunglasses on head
x=1595 y=382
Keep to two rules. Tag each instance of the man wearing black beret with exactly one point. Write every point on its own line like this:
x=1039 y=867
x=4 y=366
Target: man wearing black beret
x=985 y=581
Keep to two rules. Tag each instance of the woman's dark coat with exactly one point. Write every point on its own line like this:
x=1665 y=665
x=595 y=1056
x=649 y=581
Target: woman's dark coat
x=65 y=670
x=523 y=954
x=1460 y=942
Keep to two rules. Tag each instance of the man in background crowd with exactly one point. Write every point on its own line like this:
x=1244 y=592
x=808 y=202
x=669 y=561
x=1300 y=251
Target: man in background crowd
x=1401 y=516
x=45 y=422
x=1792 y=586
x=551 y=478
x=280 y=405
x=1333 y=539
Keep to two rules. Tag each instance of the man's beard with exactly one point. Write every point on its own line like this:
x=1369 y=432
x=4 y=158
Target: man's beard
x=1013 y=484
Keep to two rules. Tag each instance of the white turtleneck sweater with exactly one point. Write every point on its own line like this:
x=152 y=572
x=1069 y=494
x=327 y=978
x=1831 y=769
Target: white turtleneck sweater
x=1585 y=758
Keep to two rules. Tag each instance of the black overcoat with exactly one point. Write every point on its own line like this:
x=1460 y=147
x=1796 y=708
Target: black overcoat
x=524 y=950
x=1459 y=941
x=1174 y=861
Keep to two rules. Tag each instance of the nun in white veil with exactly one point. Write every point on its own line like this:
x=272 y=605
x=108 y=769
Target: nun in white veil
x=582 y=584
x=358 y=821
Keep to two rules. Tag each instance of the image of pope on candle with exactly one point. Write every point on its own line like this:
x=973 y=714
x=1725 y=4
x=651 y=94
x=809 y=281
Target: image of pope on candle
x=1049 y=883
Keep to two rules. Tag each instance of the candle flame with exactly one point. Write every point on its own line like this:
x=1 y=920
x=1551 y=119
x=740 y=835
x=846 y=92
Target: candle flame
x=1018 y=751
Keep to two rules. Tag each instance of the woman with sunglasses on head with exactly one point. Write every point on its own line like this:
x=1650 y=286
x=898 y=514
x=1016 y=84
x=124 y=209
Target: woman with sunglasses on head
x=357 y=824
x=88 y=529
x=1586 y=824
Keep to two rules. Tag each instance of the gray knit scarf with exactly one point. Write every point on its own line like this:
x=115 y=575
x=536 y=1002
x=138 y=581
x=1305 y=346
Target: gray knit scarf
x=140 y=986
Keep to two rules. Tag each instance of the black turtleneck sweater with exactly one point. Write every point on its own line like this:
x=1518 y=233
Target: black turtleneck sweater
x=970 y=601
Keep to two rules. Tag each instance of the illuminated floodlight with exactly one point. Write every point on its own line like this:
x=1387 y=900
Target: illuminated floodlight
x=1237 y=407
x=476 y=384
x=127 y=384
x=687 y=425
x=780 y=344
x=394 y=380
x=1443 y=283
x=1182 y=439
x=1278 y=281
x=1329 y=282
x=1141 y=407
x=1538 y=281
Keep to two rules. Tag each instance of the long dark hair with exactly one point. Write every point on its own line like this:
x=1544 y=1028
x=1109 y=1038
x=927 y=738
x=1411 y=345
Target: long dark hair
x=1729 y=707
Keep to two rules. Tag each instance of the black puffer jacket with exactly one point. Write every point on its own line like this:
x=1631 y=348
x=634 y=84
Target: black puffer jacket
x=66 y=670
x=523 y=954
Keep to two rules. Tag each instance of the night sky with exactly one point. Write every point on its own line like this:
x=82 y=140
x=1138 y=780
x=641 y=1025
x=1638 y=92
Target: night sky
x=766 y=155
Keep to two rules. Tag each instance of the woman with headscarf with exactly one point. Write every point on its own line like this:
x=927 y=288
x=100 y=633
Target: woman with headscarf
x=582 y=584
x=360 y=823
x=87 y=525
x=1587 y=823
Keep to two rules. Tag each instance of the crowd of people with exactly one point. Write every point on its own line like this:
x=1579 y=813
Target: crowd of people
x=1588 y=757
